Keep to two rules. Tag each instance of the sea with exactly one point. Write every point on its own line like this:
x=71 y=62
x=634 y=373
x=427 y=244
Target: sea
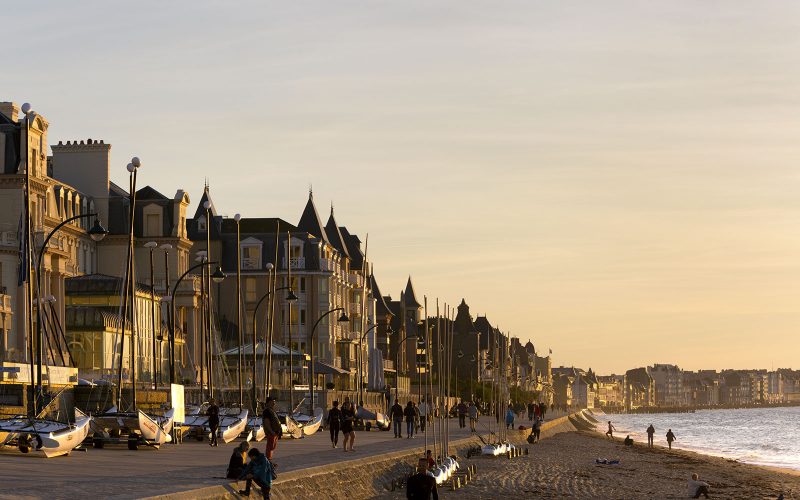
x=762 y=436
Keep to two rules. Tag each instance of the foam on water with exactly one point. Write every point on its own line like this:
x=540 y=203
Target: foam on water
x=762 y=436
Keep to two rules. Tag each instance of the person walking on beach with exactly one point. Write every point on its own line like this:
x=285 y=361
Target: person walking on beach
x=258 y=470
x=697 y=487
x=421 y=486
x=462 y=414
x=334 y=423
x=237 y=462
x=610 y=431
x=473 y=415
x=409 y=413
x=510 y=417
x=397 y=419
x=670 y=438
x=348 y=423
x=272 y=426
x=651 y=431
x=213 y=421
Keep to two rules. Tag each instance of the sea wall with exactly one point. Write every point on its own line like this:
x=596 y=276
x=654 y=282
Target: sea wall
x=360 y=478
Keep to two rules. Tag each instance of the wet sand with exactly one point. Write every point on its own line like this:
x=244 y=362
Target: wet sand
x=564 y=466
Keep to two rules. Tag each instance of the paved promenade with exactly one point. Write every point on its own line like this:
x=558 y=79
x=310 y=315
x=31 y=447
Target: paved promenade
x=116 y=472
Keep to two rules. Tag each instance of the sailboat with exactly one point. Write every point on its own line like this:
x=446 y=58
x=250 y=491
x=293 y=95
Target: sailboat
x=232 y=423
x=49 y=437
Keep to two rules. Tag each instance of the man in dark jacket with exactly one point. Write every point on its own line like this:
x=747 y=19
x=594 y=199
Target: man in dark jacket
x=272 y=426
x=213 y=421
x=397 y=419
x=410 y=413
x=421 y=486
x=334 y=423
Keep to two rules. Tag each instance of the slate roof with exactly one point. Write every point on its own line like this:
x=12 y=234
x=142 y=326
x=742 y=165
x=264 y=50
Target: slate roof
x=382 y=308
x=335 y=236
x=410 y=299
x=310 y=221
x=353 y=244
x=201 y=206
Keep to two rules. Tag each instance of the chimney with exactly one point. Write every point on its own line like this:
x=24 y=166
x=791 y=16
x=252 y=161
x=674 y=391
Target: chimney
x=10 y=109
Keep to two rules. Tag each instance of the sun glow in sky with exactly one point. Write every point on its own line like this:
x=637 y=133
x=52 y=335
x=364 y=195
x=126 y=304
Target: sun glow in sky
x=617 y=181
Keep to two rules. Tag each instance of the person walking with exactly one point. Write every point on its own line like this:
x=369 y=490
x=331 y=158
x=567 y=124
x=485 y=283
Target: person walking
x=260 y=471
x=421 y=486
x=610 y=431
x=462 y=414
x=542 y=409
x=409 y=414
x=334 y=423
x=423 y=414
x=396 y=413
x=473 y=415
x=537 y=412
x=530 y=410
x=213 y=421
x=510 y=417
x=537 y=430
x=272 y=427
x=348 y=424
x=238 y=460
x=697 y=487
x=651 y=431
x=417 y=419
x=670 y=438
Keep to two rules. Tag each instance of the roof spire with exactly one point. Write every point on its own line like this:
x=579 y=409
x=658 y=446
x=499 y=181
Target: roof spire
x=310 y=191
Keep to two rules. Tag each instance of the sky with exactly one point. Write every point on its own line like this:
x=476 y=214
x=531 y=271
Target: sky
x=616 y=181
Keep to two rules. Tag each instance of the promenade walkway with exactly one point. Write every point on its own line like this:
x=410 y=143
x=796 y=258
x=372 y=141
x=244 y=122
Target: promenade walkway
x=116 y=472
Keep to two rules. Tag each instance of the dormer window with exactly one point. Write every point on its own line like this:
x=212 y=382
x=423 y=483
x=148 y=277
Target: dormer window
x=201 y=224
x=251 y=253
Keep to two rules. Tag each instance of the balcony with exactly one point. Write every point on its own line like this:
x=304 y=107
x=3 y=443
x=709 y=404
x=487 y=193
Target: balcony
x=355 y=279
x=251 y=264
x=296 y=262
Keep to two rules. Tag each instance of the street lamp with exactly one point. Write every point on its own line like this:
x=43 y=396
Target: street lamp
x=342 y=319
x=97 y=232
x=172 y=314
x=238 y=219
x=151 y=245
x=166 y=247
x=267 y=345
x=397 y=362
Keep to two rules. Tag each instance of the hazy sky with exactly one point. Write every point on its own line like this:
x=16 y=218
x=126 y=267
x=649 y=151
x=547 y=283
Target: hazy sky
x=617 y=181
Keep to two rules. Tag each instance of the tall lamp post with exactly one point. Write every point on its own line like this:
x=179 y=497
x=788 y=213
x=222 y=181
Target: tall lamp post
x=290 y=297
x=151 y=245
x=397 y=362
x=342 y=319
x=218 y=276
x=166 y=247
x=97 y=233
x=238 y=219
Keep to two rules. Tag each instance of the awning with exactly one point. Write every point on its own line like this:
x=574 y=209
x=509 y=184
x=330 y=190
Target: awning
x=321 y=368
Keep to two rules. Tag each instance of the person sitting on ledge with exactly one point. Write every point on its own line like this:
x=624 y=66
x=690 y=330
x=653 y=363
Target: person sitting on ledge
x=259 y=469
x=238 y=459
x=628 y=441
x=421 y=486
x=697 y=487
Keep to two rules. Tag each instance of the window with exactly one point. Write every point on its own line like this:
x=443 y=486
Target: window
x=303 y=285
x=152 y=225
x=323 y=287
x=201 y=224
x=297 y=251
x=302 y=316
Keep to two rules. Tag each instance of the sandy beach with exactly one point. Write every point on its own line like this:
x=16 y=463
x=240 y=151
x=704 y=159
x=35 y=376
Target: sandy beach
x=564 y=466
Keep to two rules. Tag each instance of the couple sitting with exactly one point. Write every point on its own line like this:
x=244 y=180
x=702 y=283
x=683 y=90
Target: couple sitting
x=258 y=470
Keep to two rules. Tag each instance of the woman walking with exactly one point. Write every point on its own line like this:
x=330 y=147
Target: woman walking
x=510 y=417
x=334 y=423
x=213 y=421
x=348 y=424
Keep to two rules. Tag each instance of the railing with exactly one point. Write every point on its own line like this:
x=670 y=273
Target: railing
x=250 y=263
x=297 y=263
x=355 y=309
x=355 y=279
